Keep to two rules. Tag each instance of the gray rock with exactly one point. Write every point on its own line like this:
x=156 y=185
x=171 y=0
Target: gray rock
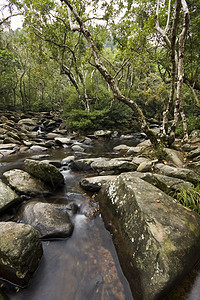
x=7 y=196
x=65 y=161
x=50 y=220
x=31 y=122
x=194 y=153
x=46 y=172
x=24 y=183
x=20 y=252
x=113 y=166
x=7 y=146
x=195 y=134
x=37 y=149
x=94 y=184
x=145 y=166
x=134 y=150
x=189 y=147
x=196 y=159
x=84 y=164
x=62 y=140
x=195 y=166
x=5 y=153
x=182 y=173
x=121 y=148
x=102 y=133
x=164 y=183
x=77 y=148
x=176 y=157
x=157 y=240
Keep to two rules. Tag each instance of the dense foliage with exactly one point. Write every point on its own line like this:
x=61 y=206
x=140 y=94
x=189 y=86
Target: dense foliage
x=46 y=66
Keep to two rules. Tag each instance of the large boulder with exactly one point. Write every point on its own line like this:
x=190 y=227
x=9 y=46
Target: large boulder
x=20 y=252
x=44 y=171
x=24 y=183
x=157 y=240
x=182 y=173
x=50 y=220
x=7 y=196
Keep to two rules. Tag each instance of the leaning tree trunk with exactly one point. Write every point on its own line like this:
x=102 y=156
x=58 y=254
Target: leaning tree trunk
x=107 y=76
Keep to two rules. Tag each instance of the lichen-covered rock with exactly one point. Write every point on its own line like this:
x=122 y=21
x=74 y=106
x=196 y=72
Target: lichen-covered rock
x=7 y=196
x=46 y=172
x=182 y=173
x=157 y=240
x=163 y=182
x=50 y=220
x=24 y=183
x=20 y=252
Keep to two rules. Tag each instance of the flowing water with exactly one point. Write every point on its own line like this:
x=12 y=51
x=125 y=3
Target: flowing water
x=84 y=266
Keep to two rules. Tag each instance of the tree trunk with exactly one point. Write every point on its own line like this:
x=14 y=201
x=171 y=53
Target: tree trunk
x=107 y=76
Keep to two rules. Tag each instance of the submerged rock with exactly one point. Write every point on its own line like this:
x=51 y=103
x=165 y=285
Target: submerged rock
x=7 y=196
x=157 y=240
x=20 y=252
x=50 y=220
x=24 y=183
x=44 y=171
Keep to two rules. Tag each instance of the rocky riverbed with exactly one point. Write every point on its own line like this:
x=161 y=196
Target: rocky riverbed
x=157 y=239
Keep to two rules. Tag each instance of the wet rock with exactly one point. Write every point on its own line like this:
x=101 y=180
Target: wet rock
x=157 y=240
x=77 y=148
x=10 y=140
x=62 y=140
x=113 y=166
x=182 y=173
x=50 y=220
x=55 y=163
x=102 y=133
x=7 y=146
x=46 y=172
x=27 y=121
x=37 y=149
x=7 y=196
x=121 y=148
x=4 y=153
x=176 y=157
x=84 y=164
x=94 y=184
x=67 y=160
x=24 y=183
x=20 y=252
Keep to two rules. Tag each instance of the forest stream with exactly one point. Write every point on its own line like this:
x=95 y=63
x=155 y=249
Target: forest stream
x=84 y=266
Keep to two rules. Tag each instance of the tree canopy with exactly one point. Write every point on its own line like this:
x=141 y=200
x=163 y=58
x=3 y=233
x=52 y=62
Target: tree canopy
x=82 y=57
